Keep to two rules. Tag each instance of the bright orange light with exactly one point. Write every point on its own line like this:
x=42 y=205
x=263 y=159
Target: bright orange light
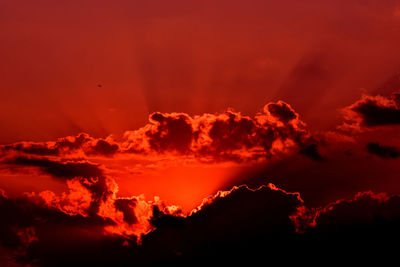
x=183 y=186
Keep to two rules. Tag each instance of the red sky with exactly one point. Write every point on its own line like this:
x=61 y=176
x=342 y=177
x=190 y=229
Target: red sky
x=186 y=56
x=126 y=114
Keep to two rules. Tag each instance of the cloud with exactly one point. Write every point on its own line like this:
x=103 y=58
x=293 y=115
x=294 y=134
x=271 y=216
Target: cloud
x=237 y=224
x=312 y=152
x=225 y=217
x=66 y=170
x=40 y=216
x=372 y=111
x=226 y=137
x=243 y=224
x=368 y=223
x=76 y=145
x=234 y=222
x=229 y=136
x=382 y=150
x=48 y=229
x=91 y=224
x=283 y=111
x=104 y=148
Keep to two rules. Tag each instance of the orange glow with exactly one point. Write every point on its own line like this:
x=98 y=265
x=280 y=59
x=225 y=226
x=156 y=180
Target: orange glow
x=182 y=186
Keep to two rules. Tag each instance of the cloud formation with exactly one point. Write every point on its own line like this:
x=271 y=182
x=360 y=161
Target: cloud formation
x=81 y=144
x=349 y=228
x=58 y=169
x=373 y=111
x=95 y=225
x=228 y=137
x=382 y=150
x=242 y=221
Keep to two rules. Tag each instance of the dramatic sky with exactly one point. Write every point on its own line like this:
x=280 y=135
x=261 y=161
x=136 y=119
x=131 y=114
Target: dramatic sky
x=153 y=132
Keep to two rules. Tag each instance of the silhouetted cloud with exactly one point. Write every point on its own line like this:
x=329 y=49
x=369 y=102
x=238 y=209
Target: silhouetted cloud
x=65 y=146
x=382 y=150
x=373 y=111
x=58 y=169
x=312 y=152
x=239 y=224
x=368 y=223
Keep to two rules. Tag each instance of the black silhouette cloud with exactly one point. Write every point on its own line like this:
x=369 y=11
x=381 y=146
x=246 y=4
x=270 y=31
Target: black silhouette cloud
x=373 y=111
x=382 y=150
x=66 y=170
x=241 y=224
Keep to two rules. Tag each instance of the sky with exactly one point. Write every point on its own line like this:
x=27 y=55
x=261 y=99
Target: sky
x=134 y=132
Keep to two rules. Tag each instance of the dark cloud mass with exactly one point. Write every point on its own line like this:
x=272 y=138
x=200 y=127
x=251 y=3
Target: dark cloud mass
x=58 y=169
x=368 y=223
x=383 y=151
x=65 y=146
x=236 y=225
x=373 y=111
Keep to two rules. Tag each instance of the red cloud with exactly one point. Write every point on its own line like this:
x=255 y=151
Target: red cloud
x=230 y=136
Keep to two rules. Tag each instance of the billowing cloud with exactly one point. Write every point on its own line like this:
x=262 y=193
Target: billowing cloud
x=275 y=131
x=230 y=136
x=45 y=228
x=120 y=222
x=243 y=222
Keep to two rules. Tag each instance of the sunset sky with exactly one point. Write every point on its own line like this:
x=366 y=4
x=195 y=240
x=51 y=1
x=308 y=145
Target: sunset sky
x=154 y=132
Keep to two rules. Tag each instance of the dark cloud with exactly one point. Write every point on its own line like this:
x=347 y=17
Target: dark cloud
x=229 y=136
x=373 y=111
x=369 y=223
x=104 y=148
x=41 y=235
x=28 y=223
x=282 y=111
x=382 y=150
x=172 y=132
x=227 y=219
x=31 y=148
x=231 y=133
x=241 y=224
x=58 y=169
x=238 y=222
x=312 y=152
x=64 y=146
x=375 y=115
x=126 y=206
